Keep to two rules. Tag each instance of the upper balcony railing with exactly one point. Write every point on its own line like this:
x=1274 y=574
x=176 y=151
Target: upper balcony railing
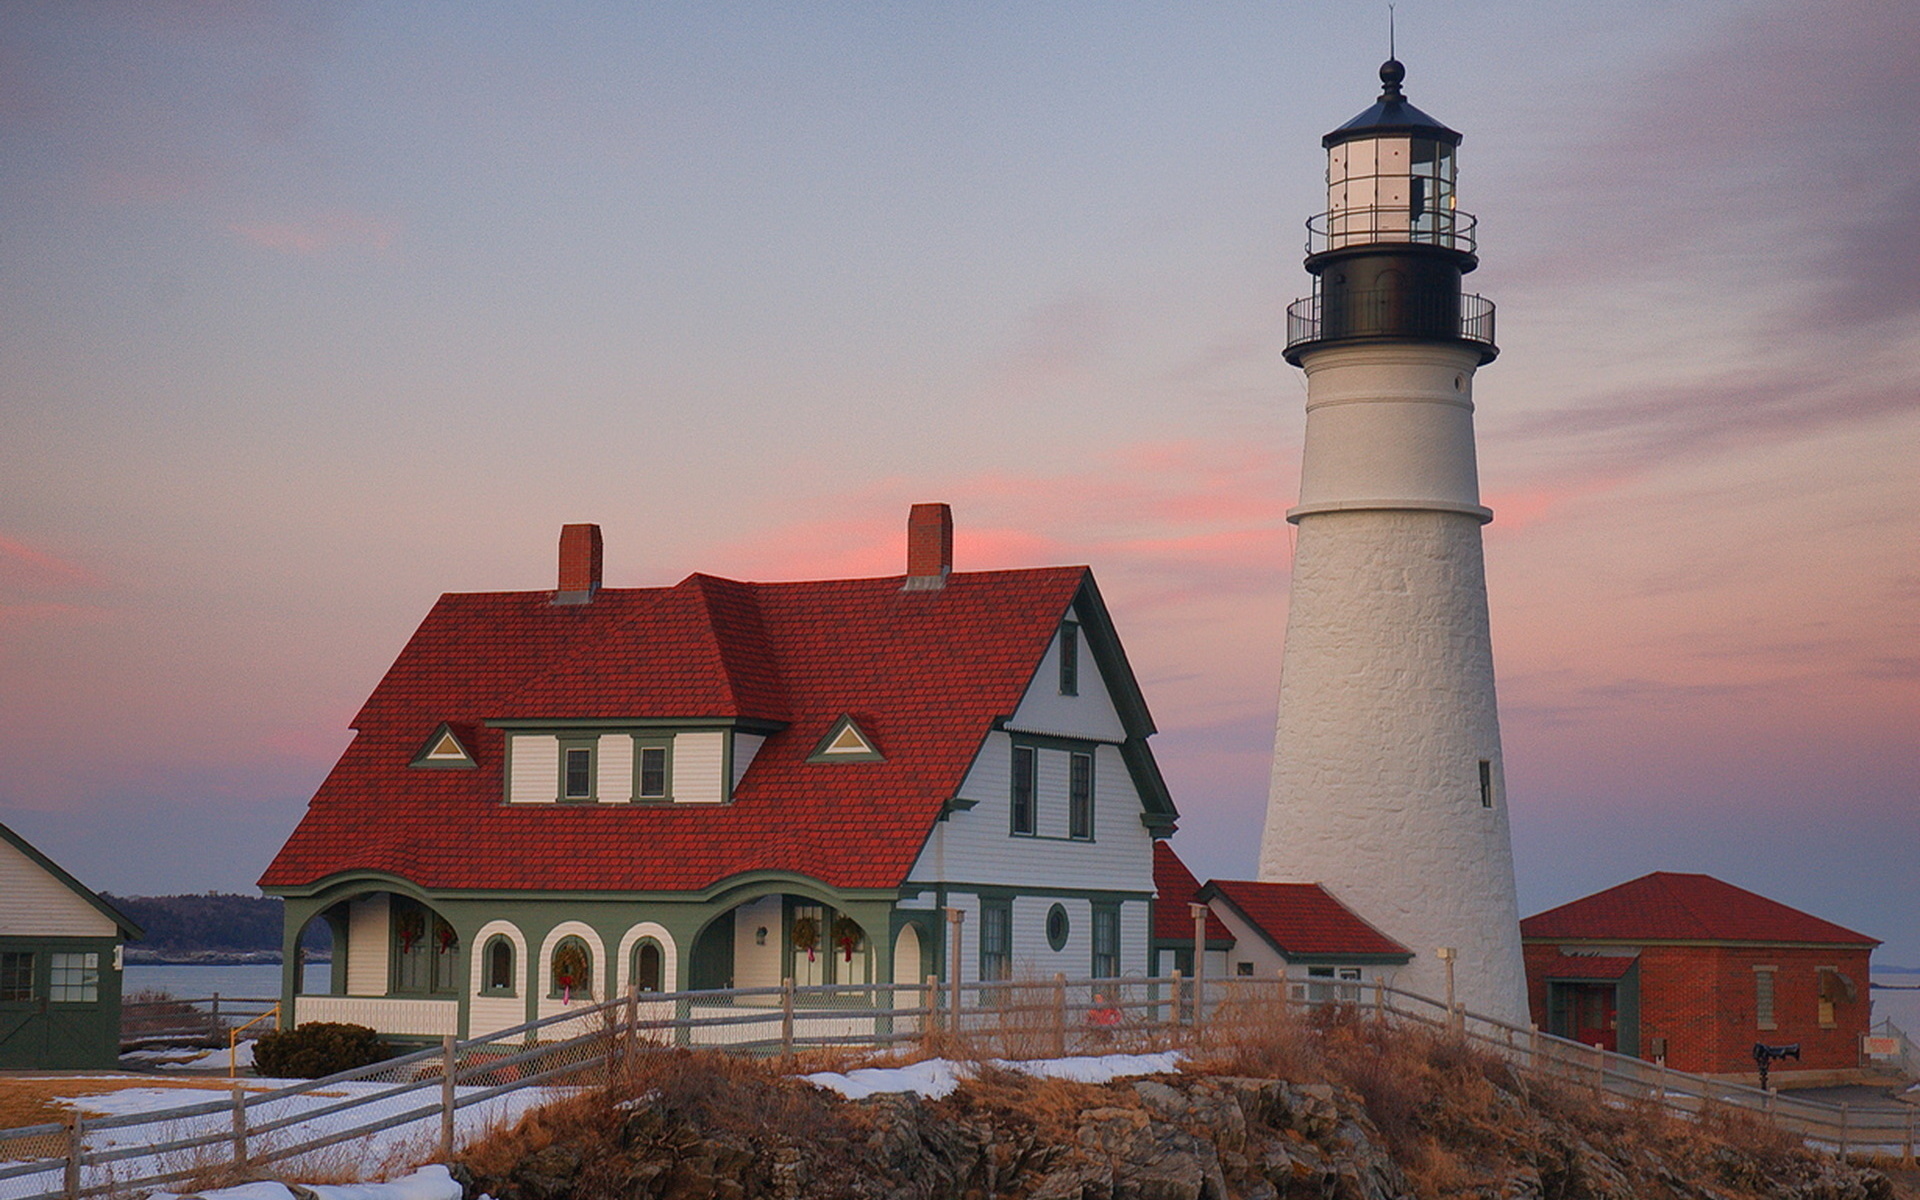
x=1377 y=313
x=1383 y=225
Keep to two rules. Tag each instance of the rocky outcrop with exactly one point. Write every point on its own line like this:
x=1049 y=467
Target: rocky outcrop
x=1172 y=1137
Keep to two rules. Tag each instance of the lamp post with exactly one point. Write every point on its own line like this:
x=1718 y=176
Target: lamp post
x=1199 y=914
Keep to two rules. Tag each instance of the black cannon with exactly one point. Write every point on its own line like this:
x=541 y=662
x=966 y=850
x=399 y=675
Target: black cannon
x=1764 y=1056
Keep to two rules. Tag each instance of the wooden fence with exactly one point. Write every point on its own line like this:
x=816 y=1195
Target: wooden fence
x=433 y=1097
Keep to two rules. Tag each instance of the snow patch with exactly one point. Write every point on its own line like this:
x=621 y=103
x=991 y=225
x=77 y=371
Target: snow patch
x=428 y=1183
x=937 y=1077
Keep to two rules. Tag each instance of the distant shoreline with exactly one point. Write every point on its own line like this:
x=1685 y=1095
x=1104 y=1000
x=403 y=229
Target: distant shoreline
x=211 y=958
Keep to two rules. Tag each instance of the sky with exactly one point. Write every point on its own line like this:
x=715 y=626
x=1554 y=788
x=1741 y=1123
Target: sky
x=309 y=313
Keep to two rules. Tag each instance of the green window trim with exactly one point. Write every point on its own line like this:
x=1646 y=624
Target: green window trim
x=579 y=781
x=497 y=965
x=16 y=976
x=996 y=940
x=1106 y=941
x=653 y=769
x=570 y=970
x=1080 y=797
x=1023 y=796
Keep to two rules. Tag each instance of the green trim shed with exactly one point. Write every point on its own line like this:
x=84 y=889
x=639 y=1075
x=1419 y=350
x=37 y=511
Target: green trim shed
x=60 y=965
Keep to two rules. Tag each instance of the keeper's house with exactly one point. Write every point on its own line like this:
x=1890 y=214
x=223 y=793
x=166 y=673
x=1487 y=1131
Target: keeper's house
x=1694 y=971
x=566 y=794
x=60 y=962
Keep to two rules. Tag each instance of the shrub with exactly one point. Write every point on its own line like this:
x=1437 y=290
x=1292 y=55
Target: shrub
x=317 y=1048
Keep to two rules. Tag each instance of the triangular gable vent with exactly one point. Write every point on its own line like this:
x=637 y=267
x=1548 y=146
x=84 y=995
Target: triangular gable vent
x=845 y=742
x=443 y=749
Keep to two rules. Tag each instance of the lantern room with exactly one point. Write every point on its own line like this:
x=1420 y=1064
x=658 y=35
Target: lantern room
x=1390 y=177
x=1388 y=253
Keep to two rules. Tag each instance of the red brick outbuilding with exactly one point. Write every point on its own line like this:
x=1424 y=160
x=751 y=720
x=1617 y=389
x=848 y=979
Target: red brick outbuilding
x=1695 y=971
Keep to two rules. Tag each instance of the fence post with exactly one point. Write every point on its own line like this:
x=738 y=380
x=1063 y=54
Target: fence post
x=1379 y=999
x=1173 y=1001
x=239 y=1127
x=1599 y=1067
x=1059 y=1015
x=1846 y=1128
x=954 y=917
x=633 y=1021
x=76 y=1146
x=930 y=1000
x=786 y=1017
x=1906 y=1149
x=446 y=1098
x=216 y=1008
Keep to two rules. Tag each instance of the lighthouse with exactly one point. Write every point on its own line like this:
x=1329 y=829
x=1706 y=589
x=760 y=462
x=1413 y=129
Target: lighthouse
x=1387 y=781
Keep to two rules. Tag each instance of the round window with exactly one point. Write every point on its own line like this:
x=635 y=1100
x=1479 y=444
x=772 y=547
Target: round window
x=1057 y=927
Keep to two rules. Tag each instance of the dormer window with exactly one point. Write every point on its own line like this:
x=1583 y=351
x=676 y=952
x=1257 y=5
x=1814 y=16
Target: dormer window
x=1069 y=659
x=576 y=770
x=650 y=769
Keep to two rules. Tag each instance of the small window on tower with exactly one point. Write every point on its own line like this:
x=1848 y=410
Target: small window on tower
x=1069 y=659
x=1486 y=783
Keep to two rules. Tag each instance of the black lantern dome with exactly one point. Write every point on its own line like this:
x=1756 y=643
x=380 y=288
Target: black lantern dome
x=1388 y=253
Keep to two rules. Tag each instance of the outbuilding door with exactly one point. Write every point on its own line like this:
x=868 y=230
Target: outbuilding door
x=1589 y=1013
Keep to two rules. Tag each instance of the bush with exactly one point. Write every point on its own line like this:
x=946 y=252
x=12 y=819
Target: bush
x=317 y=1048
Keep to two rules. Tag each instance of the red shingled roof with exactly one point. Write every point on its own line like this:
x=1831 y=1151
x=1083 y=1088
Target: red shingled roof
x=1668 y=906
x=1304 y=920
x=1174 y=888
x=926 y=673
x=1587 y=966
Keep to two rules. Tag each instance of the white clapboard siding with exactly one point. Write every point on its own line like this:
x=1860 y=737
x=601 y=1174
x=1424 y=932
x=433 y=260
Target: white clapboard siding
x=756 y=965
x=536 y=769
x=745 y=746
x=975 y=846
x=1033 y=957
x=367 y=938
x=614 y=760
x=698 y=760
x=1090 y=714
x=35 y=903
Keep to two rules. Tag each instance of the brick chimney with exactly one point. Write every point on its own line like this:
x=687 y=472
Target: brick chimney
x=579 y=564
x=929 y=547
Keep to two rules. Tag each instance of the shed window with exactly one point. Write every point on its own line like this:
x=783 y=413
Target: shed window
x=16 y=975
x=75 y=978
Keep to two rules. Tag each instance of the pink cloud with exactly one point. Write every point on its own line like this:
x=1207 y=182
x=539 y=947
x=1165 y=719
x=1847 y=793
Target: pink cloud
x=321 y=234
x=22 y=565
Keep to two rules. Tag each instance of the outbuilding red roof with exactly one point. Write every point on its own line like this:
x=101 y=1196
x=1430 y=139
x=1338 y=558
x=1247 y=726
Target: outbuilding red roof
x=1668 y=906
x=1304 y=920
x=1174 y=888
x=925 y=673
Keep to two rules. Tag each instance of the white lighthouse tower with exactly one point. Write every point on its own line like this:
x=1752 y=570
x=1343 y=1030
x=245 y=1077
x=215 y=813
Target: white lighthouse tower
x=1387 y=782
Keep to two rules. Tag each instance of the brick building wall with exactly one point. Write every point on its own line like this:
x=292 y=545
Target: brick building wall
x=1702 y=1001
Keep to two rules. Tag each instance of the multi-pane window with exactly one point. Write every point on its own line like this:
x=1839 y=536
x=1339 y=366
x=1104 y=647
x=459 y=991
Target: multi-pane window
x=1023 y=819
x=74 y=978
x=1080 y=796
x=1069 y=659
x=1763 y=997
x=425 y=949
x=576 y=773
x=1333 y=983
x=650 y=772
x=1106 y=942
x=996 y=940
x=16 y=975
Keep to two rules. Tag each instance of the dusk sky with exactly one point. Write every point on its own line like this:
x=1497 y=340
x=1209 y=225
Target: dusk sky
x=313 y=312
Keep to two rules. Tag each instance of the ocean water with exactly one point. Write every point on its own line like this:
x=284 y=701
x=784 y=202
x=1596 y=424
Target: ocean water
x=247 y=981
